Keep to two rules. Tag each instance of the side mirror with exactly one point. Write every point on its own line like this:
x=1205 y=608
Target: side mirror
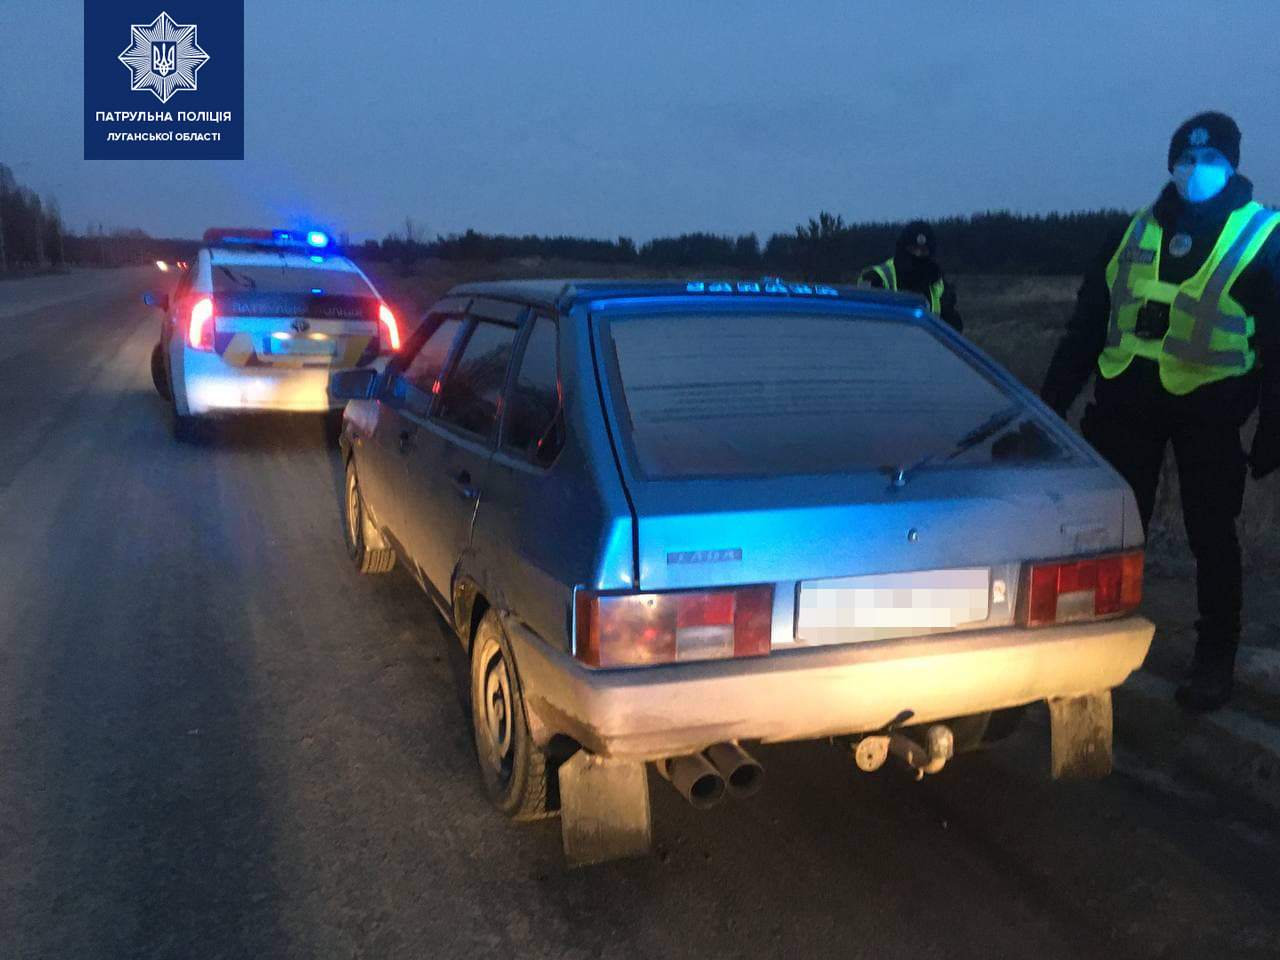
x=353 y=384
x=158 y=300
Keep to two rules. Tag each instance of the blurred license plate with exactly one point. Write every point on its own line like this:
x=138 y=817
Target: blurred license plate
x=300 y=347
x=882 y=606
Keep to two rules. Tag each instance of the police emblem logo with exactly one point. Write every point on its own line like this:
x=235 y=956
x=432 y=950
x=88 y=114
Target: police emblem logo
x=921 y=240
x=1179 y=245
x=163 y=57
x=1199 y=137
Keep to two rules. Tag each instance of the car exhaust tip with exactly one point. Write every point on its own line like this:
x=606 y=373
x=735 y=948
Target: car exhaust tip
x=695 y=779
x=743 y=774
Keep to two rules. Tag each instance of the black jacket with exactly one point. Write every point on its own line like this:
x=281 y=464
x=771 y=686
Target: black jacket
x=1257 y=290
x=917 y=276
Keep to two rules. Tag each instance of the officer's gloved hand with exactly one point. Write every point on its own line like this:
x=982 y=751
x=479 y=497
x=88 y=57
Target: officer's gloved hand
x=1264 y=456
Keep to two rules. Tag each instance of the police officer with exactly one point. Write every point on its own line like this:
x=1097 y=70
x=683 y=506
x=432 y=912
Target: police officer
x=913 y=268
x=1180 y=315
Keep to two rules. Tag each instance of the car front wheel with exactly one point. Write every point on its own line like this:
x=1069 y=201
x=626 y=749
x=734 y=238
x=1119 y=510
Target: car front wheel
x=356 y=527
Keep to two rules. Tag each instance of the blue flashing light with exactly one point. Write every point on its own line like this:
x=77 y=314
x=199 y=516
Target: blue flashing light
x=801 y=288
x=316 y=290
x=695 y=286
x=719 y=286
x=826 y=291
x=317 y=238
x=316 y=259
x=281 y=236
x=775 y=286
x=747 y=286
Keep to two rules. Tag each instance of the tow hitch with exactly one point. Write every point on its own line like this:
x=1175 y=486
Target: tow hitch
x=871 y=752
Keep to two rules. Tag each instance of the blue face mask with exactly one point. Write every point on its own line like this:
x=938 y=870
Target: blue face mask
x=1198 y=182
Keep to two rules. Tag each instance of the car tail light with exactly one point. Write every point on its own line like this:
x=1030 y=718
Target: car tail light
x=388 y=320
x=200 y=330
x=1083 y=588
x=638 y=629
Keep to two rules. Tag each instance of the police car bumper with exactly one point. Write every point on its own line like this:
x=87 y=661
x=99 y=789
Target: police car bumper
x=213 y=386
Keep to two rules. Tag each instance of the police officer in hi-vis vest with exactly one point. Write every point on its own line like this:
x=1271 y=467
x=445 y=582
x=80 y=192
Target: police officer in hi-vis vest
x=1180 y=316
x=914 y=269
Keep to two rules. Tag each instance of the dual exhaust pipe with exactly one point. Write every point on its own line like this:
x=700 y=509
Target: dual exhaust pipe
x=704 y=778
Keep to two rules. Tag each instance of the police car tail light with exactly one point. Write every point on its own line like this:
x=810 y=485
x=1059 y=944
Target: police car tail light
x=639 y=629
x=200 y=329
x=388 y=321
x=1080 y=589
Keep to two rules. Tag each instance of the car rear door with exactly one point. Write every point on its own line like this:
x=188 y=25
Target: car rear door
x=445 y=455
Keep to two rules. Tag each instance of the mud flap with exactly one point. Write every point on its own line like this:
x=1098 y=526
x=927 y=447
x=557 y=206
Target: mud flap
x=604 y=809
x=1080 y=736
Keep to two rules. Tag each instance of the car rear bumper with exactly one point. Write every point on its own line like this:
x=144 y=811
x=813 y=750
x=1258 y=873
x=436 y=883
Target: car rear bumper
x=212 y=385
x=655 y=712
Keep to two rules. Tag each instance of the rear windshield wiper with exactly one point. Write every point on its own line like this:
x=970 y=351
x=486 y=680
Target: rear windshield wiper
x=239 y=279
x=983 y=431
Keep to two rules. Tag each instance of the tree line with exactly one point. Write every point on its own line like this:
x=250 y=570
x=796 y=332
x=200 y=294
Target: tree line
x=33 y=238
x=825 y=248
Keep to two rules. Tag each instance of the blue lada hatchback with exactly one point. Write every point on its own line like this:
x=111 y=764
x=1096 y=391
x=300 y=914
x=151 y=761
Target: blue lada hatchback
x=672 y=520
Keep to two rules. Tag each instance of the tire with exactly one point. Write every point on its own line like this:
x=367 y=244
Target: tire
x=160 y=376
x=514 y=771
x=355 y=524
x=187 y=429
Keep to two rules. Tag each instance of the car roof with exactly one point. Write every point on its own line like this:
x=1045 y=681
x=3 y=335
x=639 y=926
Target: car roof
x=278 y=258
x=564 y=293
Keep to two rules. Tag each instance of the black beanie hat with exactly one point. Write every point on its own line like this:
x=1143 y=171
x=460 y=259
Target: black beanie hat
x=1209 y=129
x=917 y=233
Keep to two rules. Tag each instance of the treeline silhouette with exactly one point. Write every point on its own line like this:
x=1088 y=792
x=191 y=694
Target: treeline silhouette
x=823 y=248
x=33 y=238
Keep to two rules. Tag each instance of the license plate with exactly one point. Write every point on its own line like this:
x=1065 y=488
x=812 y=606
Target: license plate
x=300 y=347
x=887 y=605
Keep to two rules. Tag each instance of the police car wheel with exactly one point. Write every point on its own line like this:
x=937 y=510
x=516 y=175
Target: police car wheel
x=516 y=774
x=159 y=376
x=356 y=527
x=189 y=429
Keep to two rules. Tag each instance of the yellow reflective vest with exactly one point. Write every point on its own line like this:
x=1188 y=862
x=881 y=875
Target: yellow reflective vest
x=1209 y=334
x=888 y=275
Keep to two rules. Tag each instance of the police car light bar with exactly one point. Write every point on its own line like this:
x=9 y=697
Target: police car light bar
x=313 y=240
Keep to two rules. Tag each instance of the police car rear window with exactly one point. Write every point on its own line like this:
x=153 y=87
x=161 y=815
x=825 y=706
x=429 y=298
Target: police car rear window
x=778 y=395
x=263 y=278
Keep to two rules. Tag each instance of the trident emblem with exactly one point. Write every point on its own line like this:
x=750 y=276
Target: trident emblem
x=162 y=56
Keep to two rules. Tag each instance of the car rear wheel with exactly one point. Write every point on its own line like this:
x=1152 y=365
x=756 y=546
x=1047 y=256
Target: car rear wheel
x=515 y=772
x=159 y=376
x=356 y=526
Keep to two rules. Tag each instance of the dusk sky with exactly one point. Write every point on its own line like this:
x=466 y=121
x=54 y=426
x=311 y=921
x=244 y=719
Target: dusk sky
x=647 y=118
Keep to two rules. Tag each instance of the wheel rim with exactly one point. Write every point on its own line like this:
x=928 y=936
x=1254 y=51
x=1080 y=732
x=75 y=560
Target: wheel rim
x=353 y=511
x=496 y=708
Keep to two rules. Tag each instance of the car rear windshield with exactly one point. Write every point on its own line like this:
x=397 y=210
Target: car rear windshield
x=264 y=278
x=772 y=395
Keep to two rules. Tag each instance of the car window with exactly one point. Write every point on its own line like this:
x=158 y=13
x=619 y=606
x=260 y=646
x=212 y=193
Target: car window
x=261 y=278
x=425 y=367
x=759 y=394
x=532 y=425
x=471 y=392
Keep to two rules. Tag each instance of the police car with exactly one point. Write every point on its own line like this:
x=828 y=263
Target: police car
x=258 y=322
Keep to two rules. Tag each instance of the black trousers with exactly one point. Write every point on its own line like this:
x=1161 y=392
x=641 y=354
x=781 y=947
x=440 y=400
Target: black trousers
x=1132 y=421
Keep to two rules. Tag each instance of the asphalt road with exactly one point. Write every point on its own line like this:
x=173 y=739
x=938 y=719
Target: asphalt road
x=218 y=740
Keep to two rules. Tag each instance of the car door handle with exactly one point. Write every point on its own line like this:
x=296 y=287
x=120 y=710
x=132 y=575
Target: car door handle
x=405 y=440
x=462 y=483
